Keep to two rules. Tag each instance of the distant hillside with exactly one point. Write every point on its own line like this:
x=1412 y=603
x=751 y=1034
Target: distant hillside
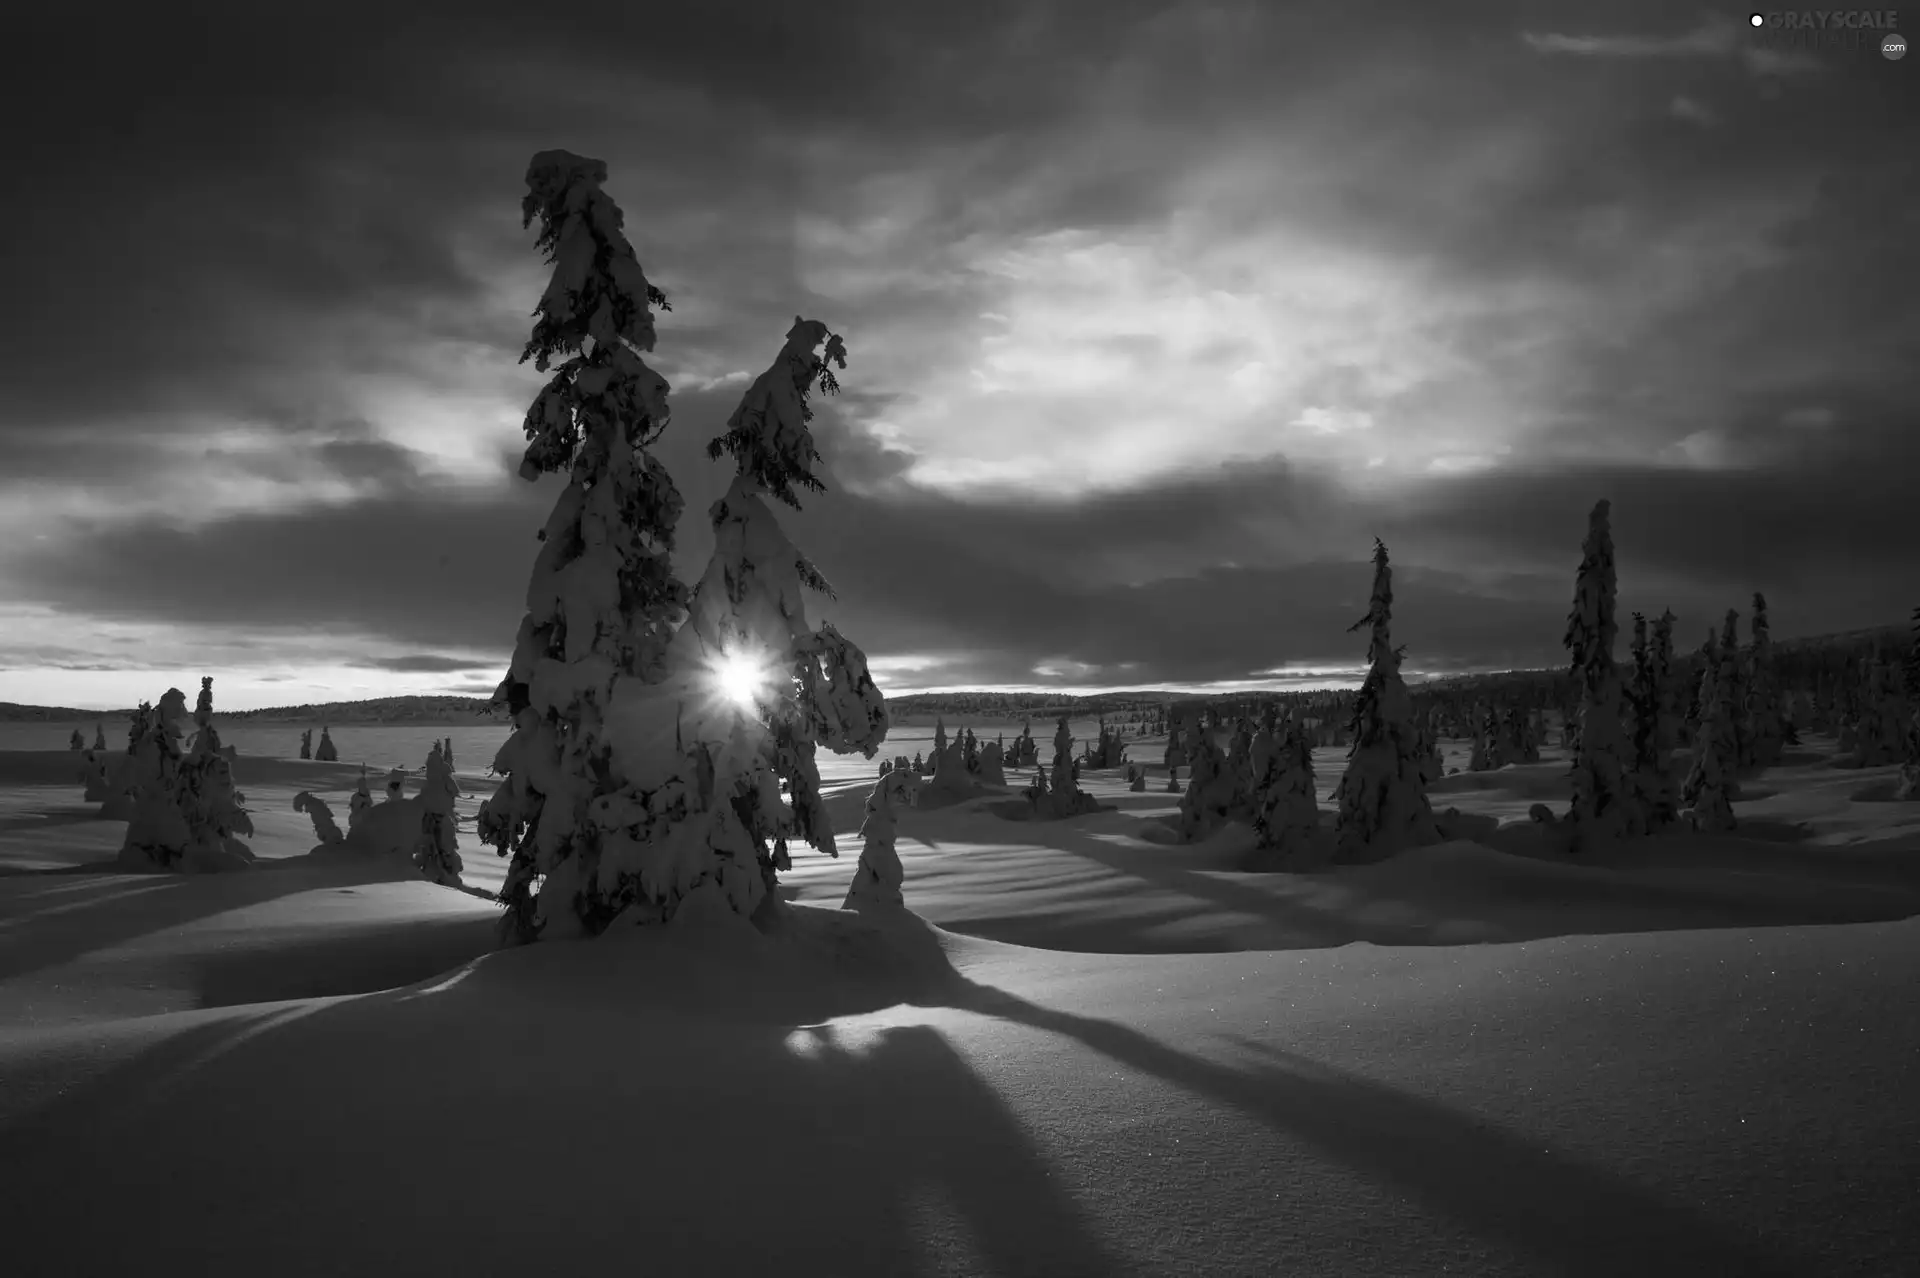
x=382 y=710
x=14 y=712
x=1021 y=705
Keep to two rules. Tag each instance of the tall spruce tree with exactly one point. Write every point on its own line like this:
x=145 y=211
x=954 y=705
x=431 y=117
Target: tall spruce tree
x=1605 y=802
x=1383 y=807
x=602 y=601
x=751 y=689
x=1763 y=734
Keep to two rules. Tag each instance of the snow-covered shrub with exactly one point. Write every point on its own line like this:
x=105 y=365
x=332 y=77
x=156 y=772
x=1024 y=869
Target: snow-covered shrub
x=325 y=828
x=192 y=817
x=878 y=877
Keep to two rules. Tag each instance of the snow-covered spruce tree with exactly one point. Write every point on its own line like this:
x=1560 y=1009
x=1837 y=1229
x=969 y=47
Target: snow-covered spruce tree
x=1763 y=733
x=1383 y=806
x=1737 y=671
x=1650 y=776
x=750 y=691
x=1063 y=797
x=436 y=854
x=100 y=733
x=1606 y=804
x=326 y=751
x=1208 y=800
x=1880 y=731
x=1706 y=670
x=1286 y=813
x=1669 y=687
x=306 y=745
x=602 y=601
x=76 y=741
x=195 y=823
x=1480 y=756
x=992 y=765
x=1709 y=788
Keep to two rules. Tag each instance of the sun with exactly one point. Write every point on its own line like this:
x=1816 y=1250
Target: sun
x=741 y=677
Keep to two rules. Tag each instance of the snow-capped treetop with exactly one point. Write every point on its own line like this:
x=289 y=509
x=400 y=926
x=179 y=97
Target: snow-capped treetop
x=767 y=433
x=1591 y=625
x=1379 y=611
x=1762 y=641
x=598 y=293
x=598 y=290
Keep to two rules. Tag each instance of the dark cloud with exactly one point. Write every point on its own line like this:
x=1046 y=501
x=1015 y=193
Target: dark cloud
x=421 y=663
x=235 y=225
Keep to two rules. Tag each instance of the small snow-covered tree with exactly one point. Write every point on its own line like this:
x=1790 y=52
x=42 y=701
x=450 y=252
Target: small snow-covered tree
x=1710 y=788
x=1480 y=756
x=1729 y=649
x=751 y=689
x=306 y=745
x=325 y=828
x=196 y=822
x=602 y=601
x=878 y=878
x=360 y=800
x=1649 y=776
x=100 y=733
x=1383 y=805
x=1605 y=802
x=1208 y=800
x=992 y=765
x=1286 y=813
x=76 y=741
x=1063 y=797
x=1880 y=731
x=436 y=854
x=1669 y=689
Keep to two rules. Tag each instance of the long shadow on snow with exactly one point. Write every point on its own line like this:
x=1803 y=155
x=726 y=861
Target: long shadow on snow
x=651 y=1097
x=41 y=932
x=1582 y=1219
x=1327 y=908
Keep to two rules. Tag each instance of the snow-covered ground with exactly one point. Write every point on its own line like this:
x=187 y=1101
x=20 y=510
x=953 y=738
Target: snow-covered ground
x=1085 y=1051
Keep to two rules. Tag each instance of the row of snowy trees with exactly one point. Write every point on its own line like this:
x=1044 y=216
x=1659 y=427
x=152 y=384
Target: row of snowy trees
x=1625 y=731
x=664 y=738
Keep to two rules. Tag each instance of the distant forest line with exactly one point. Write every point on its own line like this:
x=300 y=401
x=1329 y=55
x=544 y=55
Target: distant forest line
x=1549 y=686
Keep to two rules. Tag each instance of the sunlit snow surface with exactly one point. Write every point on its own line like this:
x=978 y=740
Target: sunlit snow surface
x=1085 y=1051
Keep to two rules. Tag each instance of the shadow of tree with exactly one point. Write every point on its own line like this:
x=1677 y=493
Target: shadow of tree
x=749 y=1142
x=39 y=932
x=602 y=1100
x=1662 y=885
x=1579 y=1218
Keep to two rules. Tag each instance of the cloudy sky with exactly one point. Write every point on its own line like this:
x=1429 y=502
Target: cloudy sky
x=1156 y=313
